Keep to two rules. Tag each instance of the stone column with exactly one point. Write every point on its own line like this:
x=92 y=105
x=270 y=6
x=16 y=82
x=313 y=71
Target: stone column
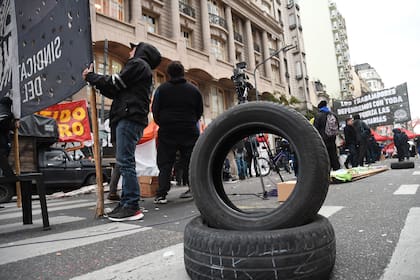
x=250 y=45
x=266 y=54
x=176 y=28
x=231 y=38
x=205 y=25
x=137 y=12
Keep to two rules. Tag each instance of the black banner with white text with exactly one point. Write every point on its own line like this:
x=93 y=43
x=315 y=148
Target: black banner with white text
x=54 y=46
x=378 y=108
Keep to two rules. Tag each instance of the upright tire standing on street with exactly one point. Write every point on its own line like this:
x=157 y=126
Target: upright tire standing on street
x=250 y=119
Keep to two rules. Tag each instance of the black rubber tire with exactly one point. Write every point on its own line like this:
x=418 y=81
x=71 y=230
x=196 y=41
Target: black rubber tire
x=264 y=166
x=402 y=165
x=7 y=191
x=90 y=180
x=305 y=252
x=247 y=119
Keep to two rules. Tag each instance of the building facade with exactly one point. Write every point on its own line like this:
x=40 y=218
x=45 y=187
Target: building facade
x=370 y=76
x=209 y=37
x=326 y=45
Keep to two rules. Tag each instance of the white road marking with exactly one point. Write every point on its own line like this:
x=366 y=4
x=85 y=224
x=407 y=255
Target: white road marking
x=37 y=205
x=407 y=189
x=328 y=211
x=404 y=264
x=52 y=209
x=32 y=247
x=416 y=173
x=164 y=264
x=38 y=223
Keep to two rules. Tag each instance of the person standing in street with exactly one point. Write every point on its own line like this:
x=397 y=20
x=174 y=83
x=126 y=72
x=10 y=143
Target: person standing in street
x=362 y=134
x=351 y=144
x=7 y=124
x=130 y=91
x=401 y=143
x=328 y=128
x=177 y=107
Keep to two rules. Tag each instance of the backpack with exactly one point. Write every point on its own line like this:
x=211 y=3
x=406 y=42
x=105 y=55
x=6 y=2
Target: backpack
x=364 y=131
x=331 y=125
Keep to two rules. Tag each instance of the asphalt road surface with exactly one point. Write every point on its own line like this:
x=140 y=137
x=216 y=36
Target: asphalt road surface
x=376 y=222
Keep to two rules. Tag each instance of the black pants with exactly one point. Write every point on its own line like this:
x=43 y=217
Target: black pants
x=4 y=163
x=353 y=157
x=362 y=152
x=332 y=153
x=168 y=144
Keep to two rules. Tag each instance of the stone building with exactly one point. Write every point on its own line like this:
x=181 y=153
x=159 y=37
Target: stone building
x=209 y=37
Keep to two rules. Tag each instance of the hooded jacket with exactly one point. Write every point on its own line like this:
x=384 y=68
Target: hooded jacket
x=130 y=90
x=7 y=123
x=177 y=107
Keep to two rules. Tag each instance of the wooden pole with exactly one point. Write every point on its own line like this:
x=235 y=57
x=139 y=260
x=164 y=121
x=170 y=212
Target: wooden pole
x=97 y=155
x=17 y=167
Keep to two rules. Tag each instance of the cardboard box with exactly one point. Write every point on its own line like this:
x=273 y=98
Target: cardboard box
x=284 y=189
x=148 y=185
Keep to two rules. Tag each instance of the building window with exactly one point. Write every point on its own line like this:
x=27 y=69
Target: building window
x=152 y=22
x=292 y=21
x=276 y=73
x=187 y=35
x=217 y=102
x=214 y=8
x=299 y=73
x=113 y=64
x=238 y=56
x=218 y=48
x=266 y=7
x=279 y=16
x=111 y=8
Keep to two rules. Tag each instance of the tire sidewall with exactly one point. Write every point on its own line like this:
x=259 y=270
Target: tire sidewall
x=312 y=184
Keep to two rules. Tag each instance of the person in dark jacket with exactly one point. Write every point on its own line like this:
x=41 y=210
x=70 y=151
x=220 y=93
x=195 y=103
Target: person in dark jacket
x=401 y=143
x=251 y=147
x=362 y=135
x=7 y=125
x=130 y=92
x=320 y=123
x=351 y=144
x=177 y=108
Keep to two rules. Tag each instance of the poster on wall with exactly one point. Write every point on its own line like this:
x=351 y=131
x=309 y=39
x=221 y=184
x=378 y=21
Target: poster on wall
x=385 y=107
x=44 y=47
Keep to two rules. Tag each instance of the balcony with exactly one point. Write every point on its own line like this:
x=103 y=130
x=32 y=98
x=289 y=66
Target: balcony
x=186 y=9
x=237 y=37
x=217 y=20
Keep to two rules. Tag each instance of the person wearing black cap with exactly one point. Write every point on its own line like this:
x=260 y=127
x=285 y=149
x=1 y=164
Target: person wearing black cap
x=320 y=123
x=7 y=124
x=130 y=91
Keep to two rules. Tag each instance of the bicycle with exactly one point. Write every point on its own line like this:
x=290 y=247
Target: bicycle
x=281 y=160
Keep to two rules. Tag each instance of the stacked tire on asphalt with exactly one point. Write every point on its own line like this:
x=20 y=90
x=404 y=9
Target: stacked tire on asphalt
x=290 y=242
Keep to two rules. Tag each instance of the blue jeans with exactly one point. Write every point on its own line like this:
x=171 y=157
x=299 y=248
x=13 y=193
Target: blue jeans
x=240 y=163
x=128 y=134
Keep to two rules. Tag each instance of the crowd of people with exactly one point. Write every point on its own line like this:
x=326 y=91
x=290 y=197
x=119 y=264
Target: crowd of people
x=359 y=144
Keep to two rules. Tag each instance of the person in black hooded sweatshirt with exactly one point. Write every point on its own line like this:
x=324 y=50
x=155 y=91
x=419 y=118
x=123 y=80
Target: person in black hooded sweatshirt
x=177 y=107
x=7 y=125
x=130 y=91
